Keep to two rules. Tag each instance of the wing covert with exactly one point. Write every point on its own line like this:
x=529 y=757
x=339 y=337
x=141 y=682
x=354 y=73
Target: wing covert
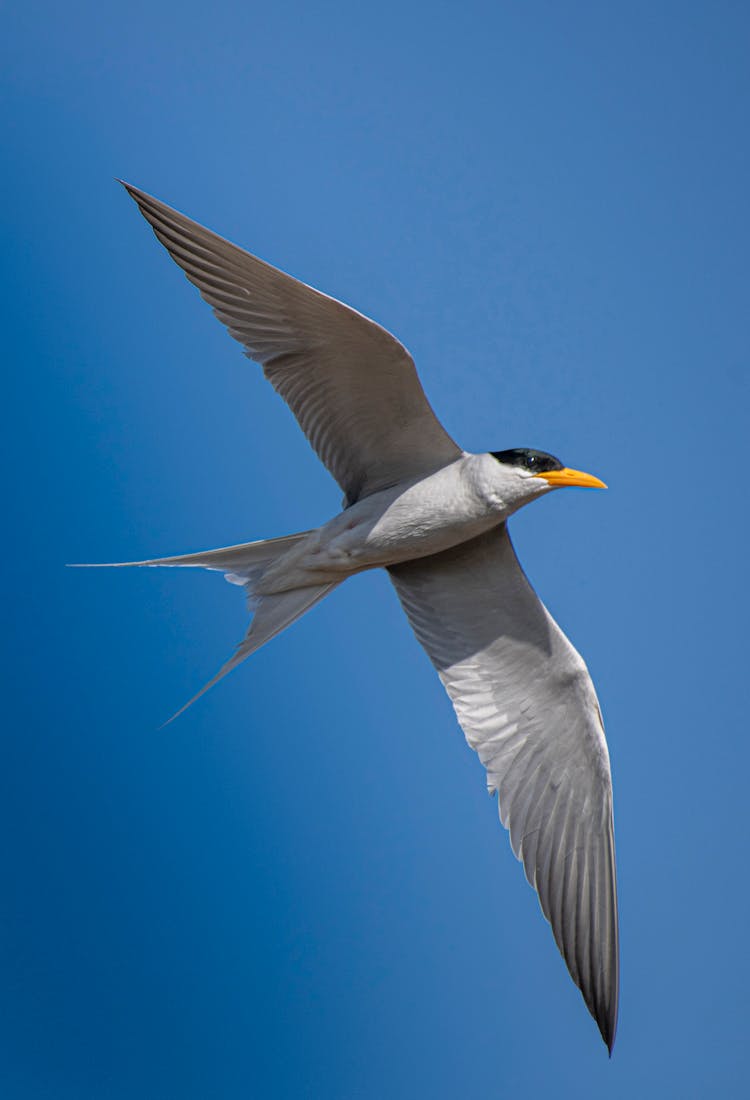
x=525 y=701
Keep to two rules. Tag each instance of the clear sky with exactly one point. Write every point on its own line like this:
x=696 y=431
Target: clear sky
x=301 y=889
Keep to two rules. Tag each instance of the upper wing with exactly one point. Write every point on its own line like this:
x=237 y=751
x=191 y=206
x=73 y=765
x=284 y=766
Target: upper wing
x=525 y=701
x=351 y=385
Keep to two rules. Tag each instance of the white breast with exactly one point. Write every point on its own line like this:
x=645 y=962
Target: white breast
x=415 y=519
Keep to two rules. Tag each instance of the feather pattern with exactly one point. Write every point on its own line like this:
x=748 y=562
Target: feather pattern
x=525 y=701
x=352 y=386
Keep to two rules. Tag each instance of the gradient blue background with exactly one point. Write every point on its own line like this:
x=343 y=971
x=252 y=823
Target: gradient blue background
x=301 y=888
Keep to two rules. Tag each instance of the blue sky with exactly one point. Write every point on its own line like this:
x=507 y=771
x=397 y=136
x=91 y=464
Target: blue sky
x=301 y=887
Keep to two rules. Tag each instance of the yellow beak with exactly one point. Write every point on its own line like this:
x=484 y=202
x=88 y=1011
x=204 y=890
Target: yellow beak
x=565 y=477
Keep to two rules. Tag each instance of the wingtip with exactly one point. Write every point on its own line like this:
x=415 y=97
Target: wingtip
x=608 y=1031
x=135 y=192
x=128 y=186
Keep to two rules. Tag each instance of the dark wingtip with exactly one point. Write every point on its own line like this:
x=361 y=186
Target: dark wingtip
x=608 y=1032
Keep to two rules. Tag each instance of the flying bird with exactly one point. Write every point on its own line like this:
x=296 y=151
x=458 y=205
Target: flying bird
x=435 y=516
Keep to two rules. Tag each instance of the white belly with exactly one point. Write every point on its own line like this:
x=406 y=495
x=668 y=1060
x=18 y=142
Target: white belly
x=406 y=522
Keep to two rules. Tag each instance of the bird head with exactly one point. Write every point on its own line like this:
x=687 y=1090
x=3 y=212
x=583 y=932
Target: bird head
x=548 y=471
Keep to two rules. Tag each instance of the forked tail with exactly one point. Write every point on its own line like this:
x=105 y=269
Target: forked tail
x=245 y=564
x=272 y=615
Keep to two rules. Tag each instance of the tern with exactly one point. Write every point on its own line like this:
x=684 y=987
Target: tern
x=435 y=516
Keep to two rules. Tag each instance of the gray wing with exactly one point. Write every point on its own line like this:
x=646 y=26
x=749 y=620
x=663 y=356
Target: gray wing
x=351 y=385
x=525 y=701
